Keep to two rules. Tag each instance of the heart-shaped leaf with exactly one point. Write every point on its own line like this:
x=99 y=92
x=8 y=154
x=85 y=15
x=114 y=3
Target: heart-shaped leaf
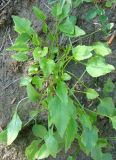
x=101 y=49
x=82 y=52
x=97 y=66
x=106 y=107
x=91 y=93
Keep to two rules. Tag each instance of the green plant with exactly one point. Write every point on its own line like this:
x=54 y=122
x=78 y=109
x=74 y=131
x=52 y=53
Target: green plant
x=102 y=19
x=109 y=3
x=47 y=85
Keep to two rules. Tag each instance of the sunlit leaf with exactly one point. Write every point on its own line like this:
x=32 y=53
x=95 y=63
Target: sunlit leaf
x=42 y=152
x=52 y=144
x=13 y=128
x=97 y=66
x=101 y=49
x=25 y=81
x=20 y=57
x=47 y=66
x=22 y=38
x=56 y=10
x=3 y=136
x=78 y=32
x=37 y=81
x=22 y=25
x=91 y=93
x=62 y=91
x=60 y=113
x=36 y=53
x=66 y=77
x=68 y=30
x=20 y=47
x=113 y=119
x=32 y=93
x=35 y=39
x=39 y=13
x=32 y=149
x=65 y=11
x=33 y=69
x=82 y=52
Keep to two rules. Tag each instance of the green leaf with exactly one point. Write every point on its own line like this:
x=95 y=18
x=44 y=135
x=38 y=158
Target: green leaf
x=32 y=93
x=47 y=66
x=22 y=25
x=3 y=136
x=45 y=27
x=106 y=156
x=92 y=116
x=60 y=113
x=92 y=13
x=101 y=49
x=73 y=19
x=82 y=52
x=102 y=142
x=36 y=53
x=65 y=11
x=70 y=133
x=108 y=87
x=70 y=158
x=20 y=47
x=32 y=149
x=35 y=39
x=108 y=4
x=62 y=92
x=13 y=128
x=97 y=154
x=20 y=57
x=33 y=69
x=25 y=81
x=106 y=107
x=89 y=138
x=39 y=14
x=51 y=144
x=113 y=119
x=76 y=3
x=78 y=32
x=39 y=131
x=37 y=81
x=67 y=27
x=57 y=10
x=44 y=52
x=22 y=38
x=91 y=93
x=85 y=121
x=66 y=77
x=97 y=66
x=42 y=152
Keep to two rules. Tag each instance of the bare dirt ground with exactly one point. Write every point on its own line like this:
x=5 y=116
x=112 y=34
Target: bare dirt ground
x=11 y=71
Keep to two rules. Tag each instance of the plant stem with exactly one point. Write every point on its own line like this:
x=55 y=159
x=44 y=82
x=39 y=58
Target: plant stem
x=86 y=36
x=20 y=102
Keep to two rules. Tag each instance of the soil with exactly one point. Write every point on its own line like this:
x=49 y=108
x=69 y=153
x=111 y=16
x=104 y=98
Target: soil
x=11 y=71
